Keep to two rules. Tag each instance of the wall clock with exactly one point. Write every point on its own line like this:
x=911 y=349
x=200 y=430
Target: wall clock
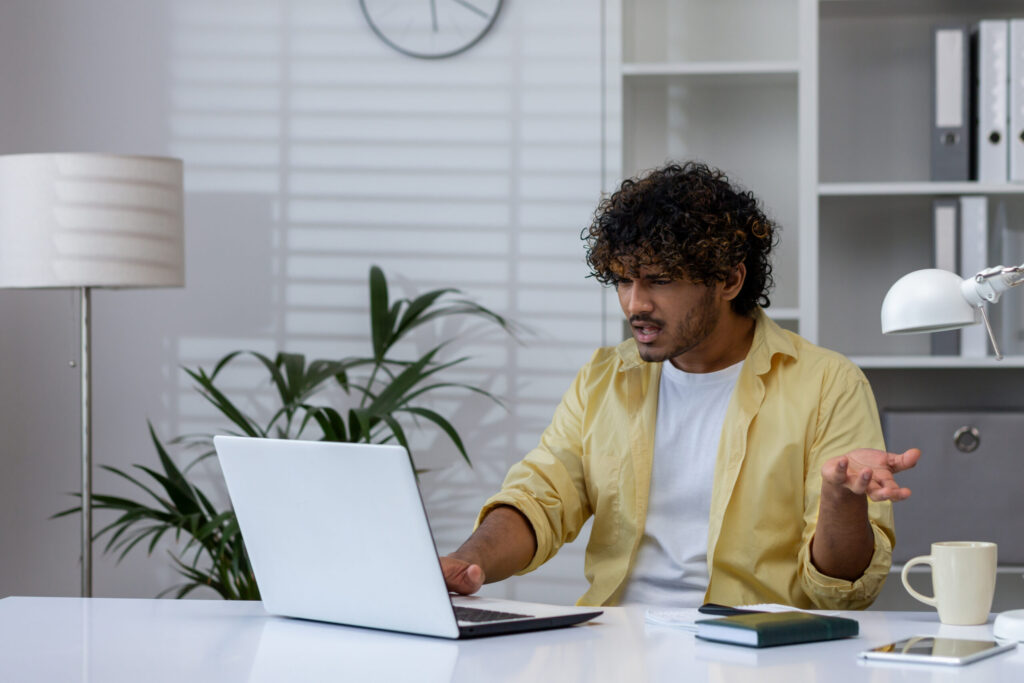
x=431 y=29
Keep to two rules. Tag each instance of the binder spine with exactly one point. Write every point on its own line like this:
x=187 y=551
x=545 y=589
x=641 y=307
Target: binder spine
x=946 y=235
x=992 y=105
x=950 y=139
x=1010 y=238
x=1015 y=139
x=974 y=256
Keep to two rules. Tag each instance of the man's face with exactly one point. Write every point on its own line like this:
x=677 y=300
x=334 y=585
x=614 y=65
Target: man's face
x=669 y=317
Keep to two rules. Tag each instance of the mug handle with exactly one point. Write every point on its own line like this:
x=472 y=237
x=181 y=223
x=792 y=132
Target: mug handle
x=921 y=559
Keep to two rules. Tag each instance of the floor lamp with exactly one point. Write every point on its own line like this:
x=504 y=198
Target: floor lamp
x=83 y=221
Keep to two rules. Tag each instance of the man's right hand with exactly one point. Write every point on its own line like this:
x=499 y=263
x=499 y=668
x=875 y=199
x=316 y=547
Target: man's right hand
x=503 y=542
x=460 y=576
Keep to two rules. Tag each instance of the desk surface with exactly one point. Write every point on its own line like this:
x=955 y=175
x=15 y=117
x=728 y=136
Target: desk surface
x=108 y=640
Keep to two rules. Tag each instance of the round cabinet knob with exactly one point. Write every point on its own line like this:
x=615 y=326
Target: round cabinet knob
x=967 y=439
x=994 y=137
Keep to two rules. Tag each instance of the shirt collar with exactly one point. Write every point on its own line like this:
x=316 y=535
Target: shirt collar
x=769 y=339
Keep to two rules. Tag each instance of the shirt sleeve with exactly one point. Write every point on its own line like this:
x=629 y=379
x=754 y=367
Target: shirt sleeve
x=548 y=485
x=848 y=419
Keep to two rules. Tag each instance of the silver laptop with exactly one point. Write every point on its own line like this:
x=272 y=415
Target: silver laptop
x=337 y=532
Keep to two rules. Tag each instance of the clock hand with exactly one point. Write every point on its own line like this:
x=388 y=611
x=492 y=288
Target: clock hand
x=471 y=8
x=433 y=14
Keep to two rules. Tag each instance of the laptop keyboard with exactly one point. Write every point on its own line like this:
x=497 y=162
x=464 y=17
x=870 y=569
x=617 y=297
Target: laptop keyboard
x=475 y=615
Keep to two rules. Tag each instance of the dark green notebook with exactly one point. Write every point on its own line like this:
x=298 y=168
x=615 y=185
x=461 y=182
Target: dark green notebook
x=766 y=629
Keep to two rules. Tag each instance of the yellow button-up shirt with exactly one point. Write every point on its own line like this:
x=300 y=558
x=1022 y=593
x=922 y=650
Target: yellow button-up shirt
x=795 y=405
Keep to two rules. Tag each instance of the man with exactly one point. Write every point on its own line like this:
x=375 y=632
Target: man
x=723 y=458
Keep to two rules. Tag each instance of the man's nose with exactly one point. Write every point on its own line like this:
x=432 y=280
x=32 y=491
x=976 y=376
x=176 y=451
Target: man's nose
x=639 y=300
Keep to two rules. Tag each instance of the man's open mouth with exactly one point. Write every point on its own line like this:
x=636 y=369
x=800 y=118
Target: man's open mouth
x=645 y=333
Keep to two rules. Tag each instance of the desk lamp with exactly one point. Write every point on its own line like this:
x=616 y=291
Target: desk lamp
x=934 y=300
x=83 y=221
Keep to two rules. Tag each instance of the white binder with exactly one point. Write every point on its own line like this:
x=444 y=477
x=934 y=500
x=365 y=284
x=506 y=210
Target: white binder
x=1015 y=138
x=974 y=256
x=1010 y=308
x=946 y=243
x=993 y=37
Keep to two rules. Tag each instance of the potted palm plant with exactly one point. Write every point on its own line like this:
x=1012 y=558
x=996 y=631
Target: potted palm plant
x=381 y=390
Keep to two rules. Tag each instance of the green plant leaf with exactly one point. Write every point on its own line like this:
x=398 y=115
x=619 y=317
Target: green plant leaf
x=392 y=394
x=453 y=385
x=319 y=371
x=464 y=307
x=380 y=327
x=295 y=370
x=397 y=431
x=174 y=482
x=221 y=403
x=360 y=424
x=331 y=423
x=412 y=317
x=224 y=361
x=445 y=425
x=165 y=503
x=273 y=369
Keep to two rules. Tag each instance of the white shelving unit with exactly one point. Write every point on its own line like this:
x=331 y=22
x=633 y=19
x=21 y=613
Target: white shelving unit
x=822 y=108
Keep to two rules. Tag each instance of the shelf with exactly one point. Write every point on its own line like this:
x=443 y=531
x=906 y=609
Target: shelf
x=709 y=30
x=938 y=362
x=852 y=9
x=781 y=313
x=728 y=68
x=915 y=189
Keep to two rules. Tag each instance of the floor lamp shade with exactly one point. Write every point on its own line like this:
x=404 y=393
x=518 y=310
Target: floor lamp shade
x=84 y=221
x=91 y=220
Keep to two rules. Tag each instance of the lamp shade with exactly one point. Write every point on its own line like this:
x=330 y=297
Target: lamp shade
x=91 y=220
x=929 y=300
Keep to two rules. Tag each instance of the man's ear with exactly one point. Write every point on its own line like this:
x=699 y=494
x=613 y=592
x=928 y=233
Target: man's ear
x=734 y=282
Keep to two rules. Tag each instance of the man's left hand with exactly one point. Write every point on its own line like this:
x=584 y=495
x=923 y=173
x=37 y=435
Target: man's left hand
x=869 y=471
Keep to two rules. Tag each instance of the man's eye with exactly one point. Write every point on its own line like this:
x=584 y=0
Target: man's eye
x=660 y=282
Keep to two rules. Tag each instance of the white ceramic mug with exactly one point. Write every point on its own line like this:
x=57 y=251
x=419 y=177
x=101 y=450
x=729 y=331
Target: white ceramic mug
x=963 y=578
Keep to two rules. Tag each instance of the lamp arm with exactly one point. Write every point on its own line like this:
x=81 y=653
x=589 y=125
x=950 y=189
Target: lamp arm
x=989 y=284
x=986 y=287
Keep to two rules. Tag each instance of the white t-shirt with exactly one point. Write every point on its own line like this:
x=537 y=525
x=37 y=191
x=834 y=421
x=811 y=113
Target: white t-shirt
x=671 y=566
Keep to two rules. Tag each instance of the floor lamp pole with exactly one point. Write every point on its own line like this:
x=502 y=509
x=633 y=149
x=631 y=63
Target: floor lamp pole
x=86 y=369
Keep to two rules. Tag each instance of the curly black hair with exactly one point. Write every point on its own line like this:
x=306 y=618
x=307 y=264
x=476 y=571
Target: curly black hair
x=689 y=221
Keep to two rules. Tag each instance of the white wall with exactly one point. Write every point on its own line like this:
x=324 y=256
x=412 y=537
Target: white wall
x=312 y=150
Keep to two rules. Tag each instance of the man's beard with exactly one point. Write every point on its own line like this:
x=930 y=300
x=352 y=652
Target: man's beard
x=699 y=323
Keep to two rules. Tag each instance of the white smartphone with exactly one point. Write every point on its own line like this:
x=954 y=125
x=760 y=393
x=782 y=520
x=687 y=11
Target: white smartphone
x=932 y=650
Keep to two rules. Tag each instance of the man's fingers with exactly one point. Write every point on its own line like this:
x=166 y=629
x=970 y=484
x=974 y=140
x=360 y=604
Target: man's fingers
x=861 y=483
x=837 y=475
x=886 y=488
x=460 y=576
x=475 y=577
x=905 y=460
x=894 y=494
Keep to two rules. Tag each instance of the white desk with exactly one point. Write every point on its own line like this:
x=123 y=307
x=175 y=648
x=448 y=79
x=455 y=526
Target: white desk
x=110 y=640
